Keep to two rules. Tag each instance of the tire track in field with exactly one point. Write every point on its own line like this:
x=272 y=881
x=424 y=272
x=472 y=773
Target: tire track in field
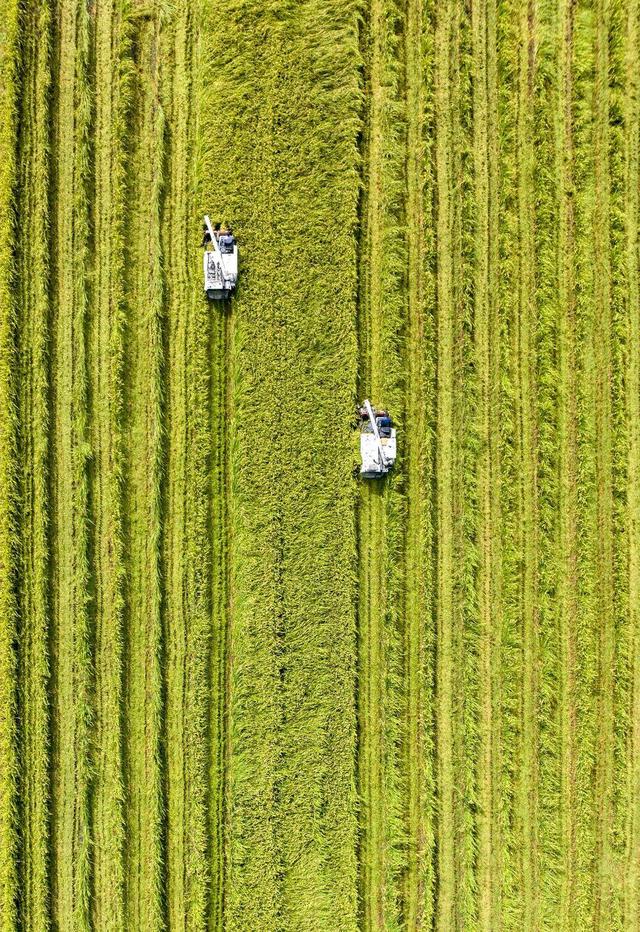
x=72 y=711
x=632 y=197
x=221 y=416
x=568 y=465
x=418 y=881
x=527 y=541
x=446 y=915
x=106 y=349
x=371 y=509
x=487 y=336
x=9 y=50
x=604 y=583
x=144 y=701
x=187 y=554
x=34 y=417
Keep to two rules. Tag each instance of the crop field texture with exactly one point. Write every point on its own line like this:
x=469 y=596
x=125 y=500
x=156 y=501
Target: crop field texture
x=242 y=689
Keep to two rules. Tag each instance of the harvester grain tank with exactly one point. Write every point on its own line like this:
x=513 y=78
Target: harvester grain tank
x=377 y=442
x=220 y=262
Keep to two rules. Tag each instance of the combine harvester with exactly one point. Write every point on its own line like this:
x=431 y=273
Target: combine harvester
x=220 y=262
x=377 y=442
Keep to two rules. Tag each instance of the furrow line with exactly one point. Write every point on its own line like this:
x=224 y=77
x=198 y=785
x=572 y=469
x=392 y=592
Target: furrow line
x=527 y=541
x=144 y=700
x=9 y=88
x=487 y=337
x=34 y=416
x=602 y=337
x=632 y=197
x=106 y=349
x=72 y=711
x=568 y=593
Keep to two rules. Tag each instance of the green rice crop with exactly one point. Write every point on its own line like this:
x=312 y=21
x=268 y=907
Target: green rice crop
x=240 y=688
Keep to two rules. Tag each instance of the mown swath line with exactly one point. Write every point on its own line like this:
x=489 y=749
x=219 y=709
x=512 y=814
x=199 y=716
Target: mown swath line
x=568 y=464
x=71 y=662
x=417 y=893
x=446 y=862
x=632 y=199
x=144 y=706
x=188 y=618
x=527 y=466
x=371 y=608
x=487 y=333
x=604 y=478
x=9 y=32
x=106 y=349
x=33 y=268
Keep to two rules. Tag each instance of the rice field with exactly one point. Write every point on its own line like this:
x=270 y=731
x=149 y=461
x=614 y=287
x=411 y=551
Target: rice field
x=242 y=689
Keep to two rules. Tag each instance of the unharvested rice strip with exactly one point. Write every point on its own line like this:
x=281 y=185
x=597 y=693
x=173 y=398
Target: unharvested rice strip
x=72 y=712
x=418 y=880
x=106 y=351
x=605 y=602
x=632 y=197
x=144 y=703
x=254 y=871
x=9 y=32
x=317 y=806
x=33 y=411
x=445 y=460
x=568 y=584
x=187 y=543
x=487 y=336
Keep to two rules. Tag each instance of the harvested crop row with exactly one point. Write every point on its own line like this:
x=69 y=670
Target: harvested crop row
x=144 y=361
x=71 y=659
x=9 y=31
x=632 y=198
x=384 y=750
x=216 y=161
x=187 y=546
x=418 y=876
x=487 y=350
x=527 y=504
x=376 y=885
x=568 y=593
x=106 y=349
x=34 y=415
x=445 y=608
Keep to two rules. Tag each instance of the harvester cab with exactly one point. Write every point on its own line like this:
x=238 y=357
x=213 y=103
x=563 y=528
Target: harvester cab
x=377 y=442
x=220 y=262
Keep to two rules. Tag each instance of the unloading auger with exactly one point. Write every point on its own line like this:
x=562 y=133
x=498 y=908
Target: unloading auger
x=220 y=262
x=377 y=442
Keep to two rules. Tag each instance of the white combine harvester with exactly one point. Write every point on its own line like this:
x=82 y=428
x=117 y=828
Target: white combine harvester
x=377 y=442
x=220 y=263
